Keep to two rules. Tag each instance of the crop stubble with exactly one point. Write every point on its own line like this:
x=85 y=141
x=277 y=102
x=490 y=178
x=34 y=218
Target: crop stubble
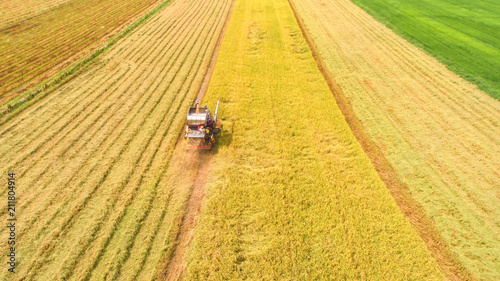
x=35 y=48
x=13 y=11
x=439 y=132
x=96 y=153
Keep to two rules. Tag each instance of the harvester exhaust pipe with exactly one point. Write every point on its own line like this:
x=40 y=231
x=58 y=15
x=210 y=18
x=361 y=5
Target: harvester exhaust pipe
x=215 y=114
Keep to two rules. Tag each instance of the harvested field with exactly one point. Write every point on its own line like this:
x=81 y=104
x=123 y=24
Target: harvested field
x=439 y=132
x=290 y=193
x=14 y=11
x=101 y=191
x=32 y=50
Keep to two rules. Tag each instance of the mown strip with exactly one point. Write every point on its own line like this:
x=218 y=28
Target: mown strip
x=291 y=194
x=38 y=47
x=20 y=102
x=108 y=138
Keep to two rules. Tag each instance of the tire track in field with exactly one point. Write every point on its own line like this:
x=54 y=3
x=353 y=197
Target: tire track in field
x=176 y=265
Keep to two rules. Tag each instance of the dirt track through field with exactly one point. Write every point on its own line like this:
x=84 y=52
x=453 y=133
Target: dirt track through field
x=433 y=136
x=95 y=158
x=177 y=262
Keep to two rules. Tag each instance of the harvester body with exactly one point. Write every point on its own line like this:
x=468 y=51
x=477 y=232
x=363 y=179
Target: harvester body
x=202 y=127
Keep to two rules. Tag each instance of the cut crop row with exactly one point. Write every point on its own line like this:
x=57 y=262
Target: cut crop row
x=59 y=37
x=112 y=145
x=14 y=11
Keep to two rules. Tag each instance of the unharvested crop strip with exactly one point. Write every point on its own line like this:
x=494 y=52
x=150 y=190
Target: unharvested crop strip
x=174 y=268
x=166 y=166
x=413 y=211
x=269 y=213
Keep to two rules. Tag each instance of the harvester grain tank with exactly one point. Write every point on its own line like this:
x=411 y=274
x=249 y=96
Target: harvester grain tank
x=201 y=127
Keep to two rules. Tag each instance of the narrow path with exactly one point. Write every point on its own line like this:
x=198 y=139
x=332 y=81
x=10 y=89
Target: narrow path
x=177 y=263
x=415 y=213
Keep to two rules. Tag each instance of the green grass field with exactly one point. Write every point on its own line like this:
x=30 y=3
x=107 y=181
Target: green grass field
x=462 y=34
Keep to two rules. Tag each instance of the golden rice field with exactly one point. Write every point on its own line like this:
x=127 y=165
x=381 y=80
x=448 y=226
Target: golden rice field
x=346 y=153
x=440 y=133
x=290 y=193
x=96 y=175
x=34 y=48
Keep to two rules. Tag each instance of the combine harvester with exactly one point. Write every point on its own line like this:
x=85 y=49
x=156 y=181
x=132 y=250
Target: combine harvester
x=201 y=128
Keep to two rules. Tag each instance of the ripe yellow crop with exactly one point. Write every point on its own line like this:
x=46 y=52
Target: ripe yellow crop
x=439 y=132
x=291 y=195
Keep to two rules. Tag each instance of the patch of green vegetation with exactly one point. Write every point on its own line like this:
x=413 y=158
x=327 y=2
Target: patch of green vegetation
x=464 y=35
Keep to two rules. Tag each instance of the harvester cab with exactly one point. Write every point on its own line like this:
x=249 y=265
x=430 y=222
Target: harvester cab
x=201 y=127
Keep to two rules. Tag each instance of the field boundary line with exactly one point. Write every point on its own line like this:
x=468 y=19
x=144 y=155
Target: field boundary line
x=415 y=213
x=23 y=101
x=176 y=257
